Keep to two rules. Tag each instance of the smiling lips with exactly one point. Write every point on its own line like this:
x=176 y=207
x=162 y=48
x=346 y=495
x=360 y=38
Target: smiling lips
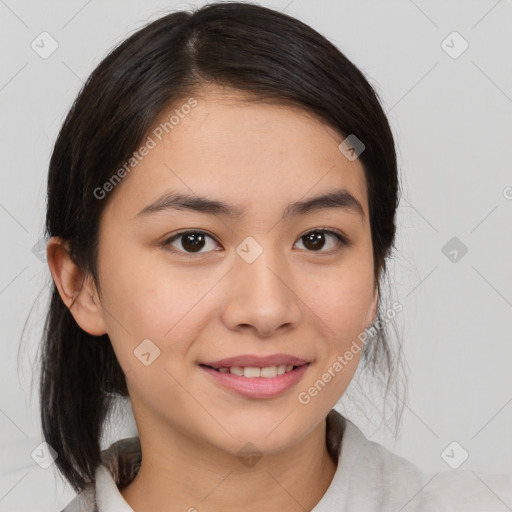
x=255 y=376
x=252 y=371
x=256 y=366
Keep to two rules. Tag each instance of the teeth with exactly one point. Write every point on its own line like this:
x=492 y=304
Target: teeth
x=251 y=371
x=269 y=371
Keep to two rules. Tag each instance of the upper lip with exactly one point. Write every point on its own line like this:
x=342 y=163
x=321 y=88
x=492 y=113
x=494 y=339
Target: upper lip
x=257 y=361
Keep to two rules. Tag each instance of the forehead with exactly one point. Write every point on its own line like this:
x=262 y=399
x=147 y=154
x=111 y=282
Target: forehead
x=254 y=154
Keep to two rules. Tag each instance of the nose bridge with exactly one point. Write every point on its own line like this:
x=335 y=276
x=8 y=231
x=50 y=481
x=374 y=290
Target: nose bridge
x=261 y=290
x=263 y=276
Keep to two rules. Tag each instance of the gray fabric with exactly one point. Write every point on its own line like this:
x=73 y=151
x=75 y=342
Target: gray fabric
x=122 y=459
x=368 y=478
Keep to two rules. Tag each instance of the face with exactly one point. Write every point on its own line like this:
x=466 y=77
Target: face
x=260 y=280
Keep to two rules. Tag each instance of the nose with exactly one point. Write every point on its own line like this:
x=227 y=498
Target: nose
x=262 y=296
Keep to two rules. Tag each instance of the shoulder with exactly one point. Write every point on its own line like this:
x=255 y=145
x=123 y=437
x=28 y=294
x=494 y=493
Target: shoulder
x=369 y=477
x=119 y=465
x=467 y=491
x=375 y=475
x=83 y=502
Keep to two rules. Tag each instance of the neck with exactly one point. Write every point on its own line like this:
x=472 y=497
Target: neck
x=179 y=474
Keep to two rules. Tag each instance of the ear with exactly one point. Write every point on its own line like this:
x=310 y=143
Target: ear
x=372 y=311
x=76 y=289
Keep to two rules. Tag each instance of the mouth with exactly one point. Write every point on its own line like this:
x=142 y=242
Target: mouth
x=253 y=382
x=251 y=372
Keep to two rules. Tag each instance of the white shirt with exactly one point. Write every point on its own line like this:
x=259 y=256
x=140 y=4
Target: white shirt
x=368 y=478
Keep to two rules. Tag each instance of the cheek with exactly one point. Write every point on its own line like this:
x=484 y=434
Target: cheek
x=144 y=300
x=342 y=300
x=341 y=304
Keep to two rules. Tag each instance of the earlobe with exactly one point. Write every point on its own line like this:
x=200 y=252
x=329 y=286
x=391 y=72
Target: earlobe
x=76 y=289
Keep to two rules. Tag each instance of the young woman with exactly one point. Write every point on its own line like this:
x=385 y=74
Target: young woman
x=221 y=206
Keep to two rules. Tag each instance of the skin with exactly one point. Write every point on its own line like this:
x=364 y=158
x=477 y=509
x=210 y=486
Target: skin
x=291 y=299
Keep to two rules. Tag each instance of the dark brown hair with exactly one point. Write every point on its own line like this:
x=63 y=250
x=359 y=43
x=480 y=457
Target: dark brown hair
x=254 y=49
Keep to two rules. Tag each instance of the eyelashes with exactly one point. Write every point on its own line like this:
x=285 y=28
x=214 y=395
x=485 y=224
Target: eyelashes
x=193 y=242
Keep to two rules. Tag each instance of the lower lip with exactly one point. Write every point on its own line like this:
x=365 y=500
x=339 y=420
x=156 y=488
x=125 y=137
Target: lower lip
x=258 y=387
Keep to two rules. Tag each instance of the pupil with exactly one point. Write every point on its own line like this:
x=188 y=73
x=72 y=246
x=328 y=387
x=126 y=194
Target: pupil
x=314 y=240
x=193 y=241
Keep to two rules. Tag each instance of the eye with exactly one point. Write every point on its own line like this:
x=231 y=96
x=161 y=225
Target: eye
x=315 y=241
x=191 y=242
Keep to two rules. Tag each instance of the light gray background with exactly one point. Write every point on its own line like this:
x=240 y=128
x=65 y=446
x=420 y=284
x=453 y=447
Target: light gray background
x=452 y=121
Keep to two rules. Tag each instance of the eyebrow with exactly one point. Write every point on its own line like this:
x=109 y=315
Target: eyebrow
x=177 y=201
